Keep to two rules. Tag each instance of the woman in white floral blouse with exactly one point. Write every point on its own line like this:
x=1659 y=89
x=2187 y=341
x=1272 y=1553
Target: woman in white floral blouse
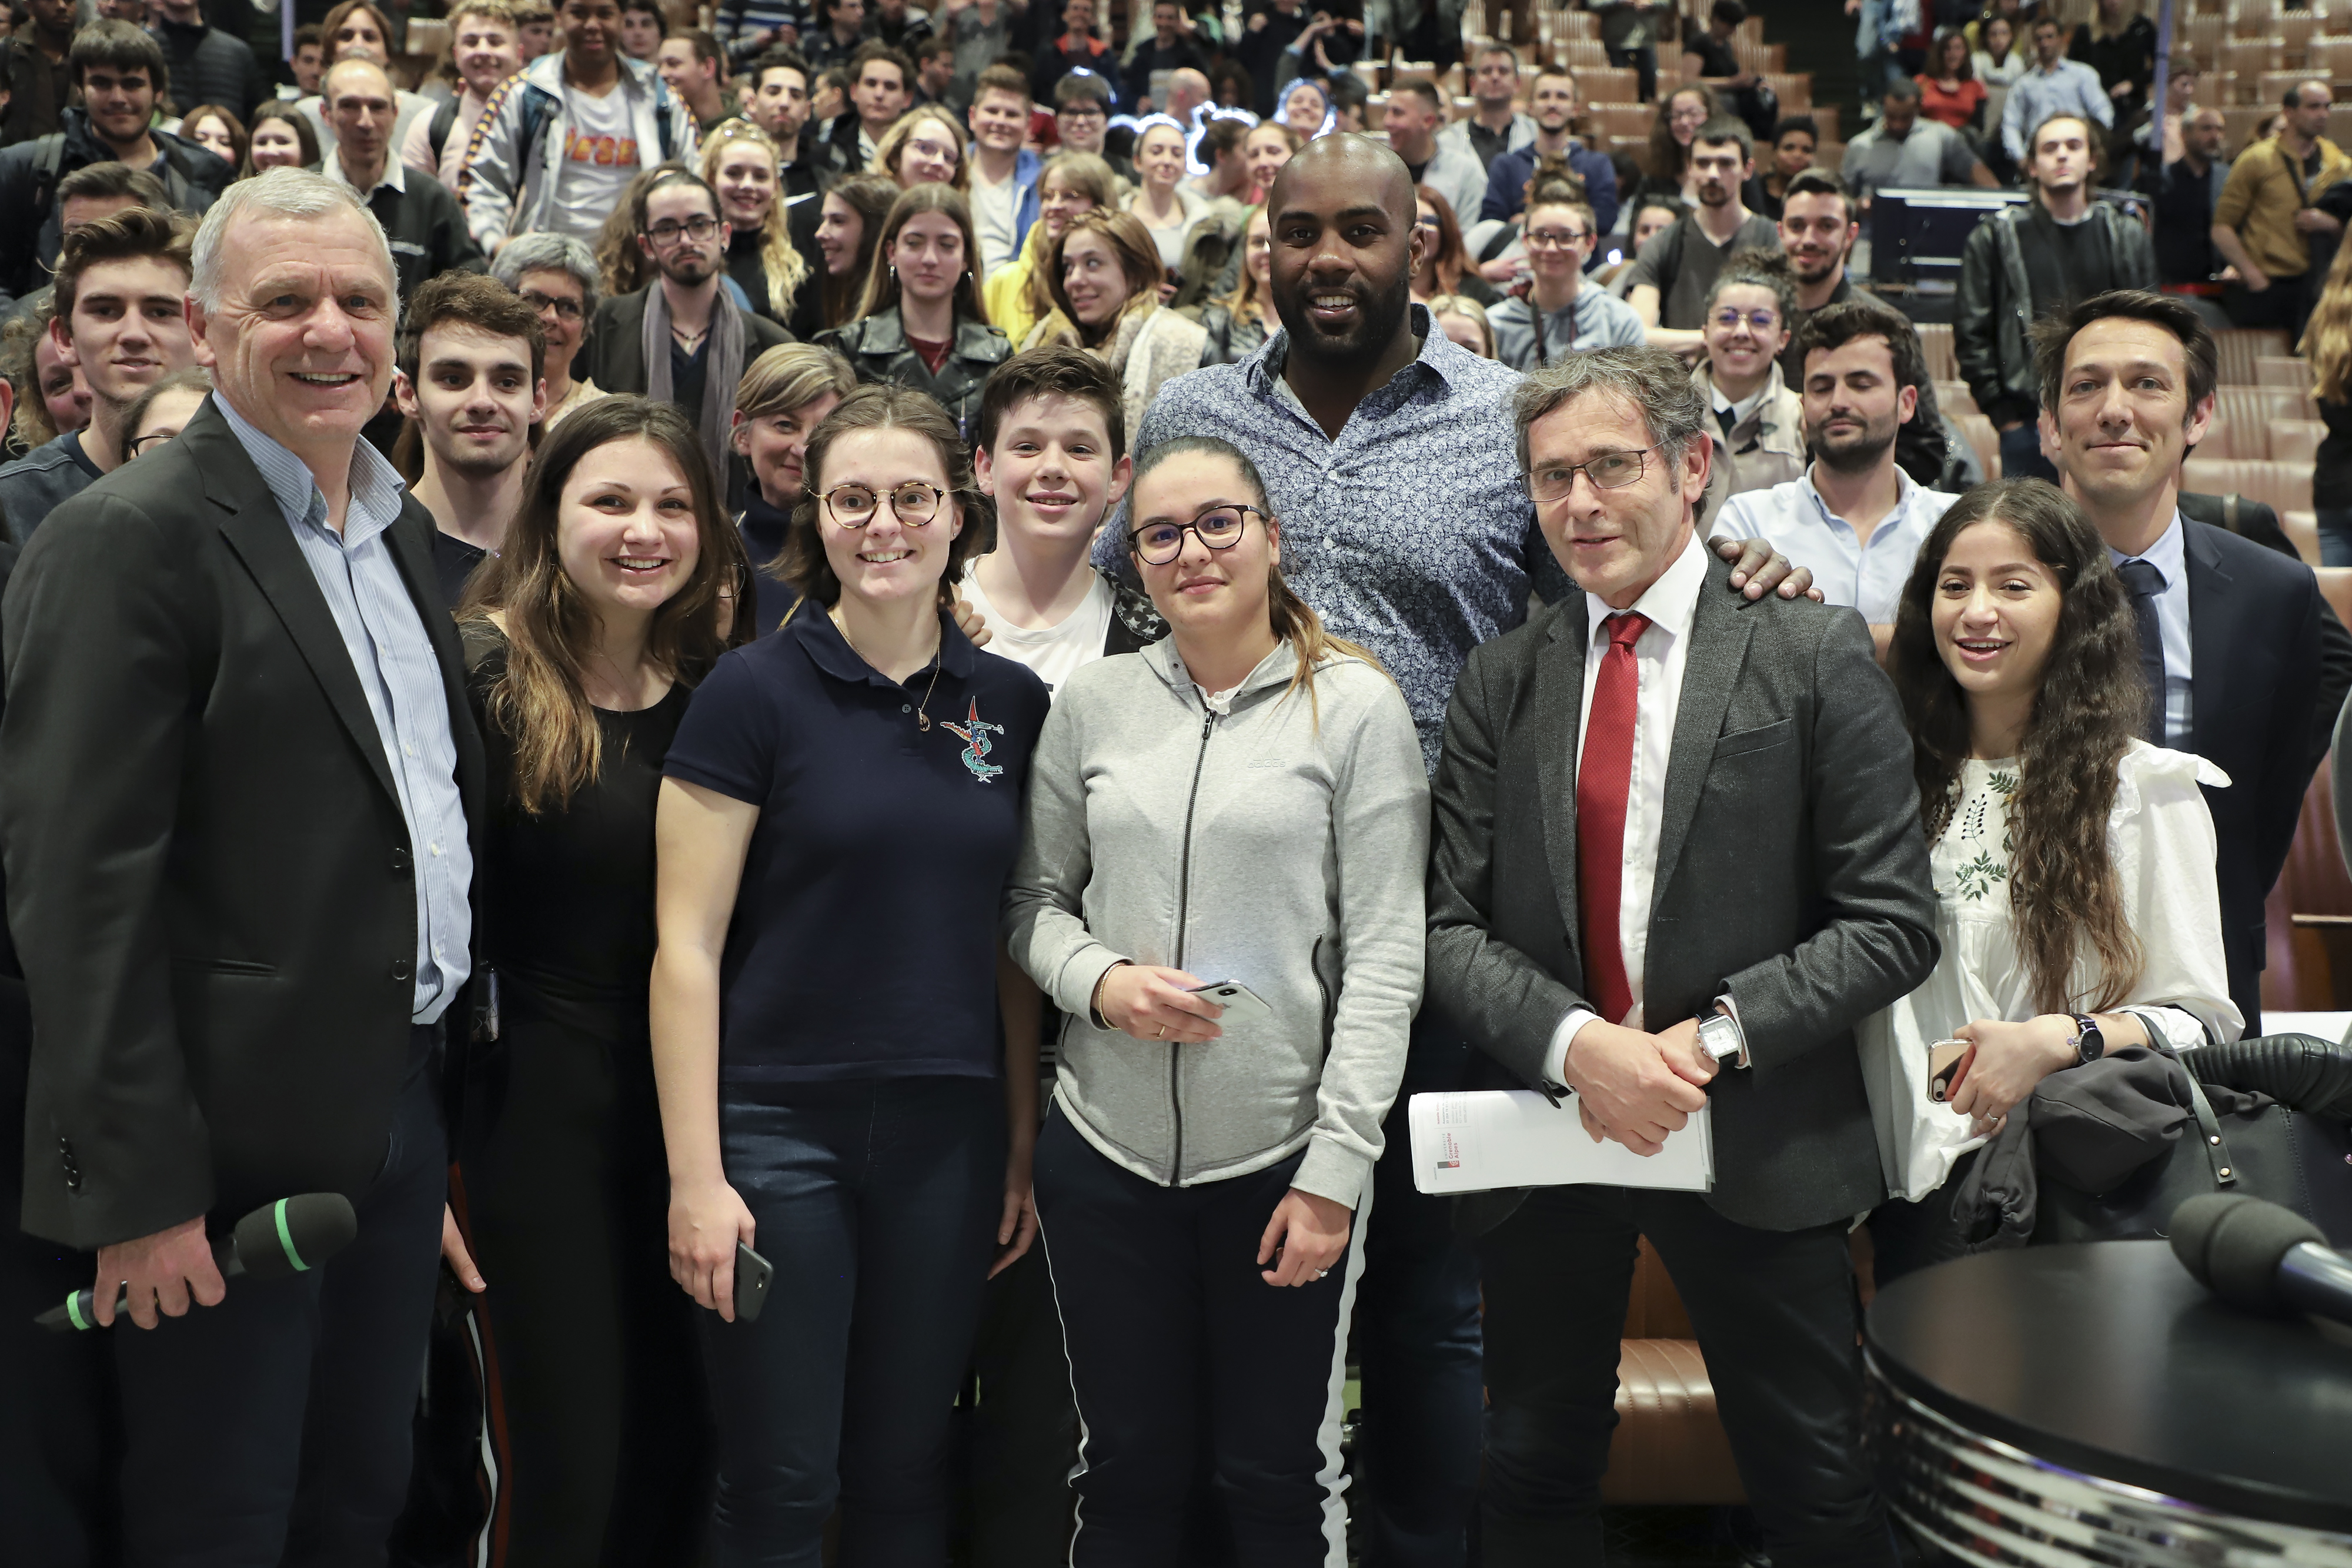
x=2073 y=861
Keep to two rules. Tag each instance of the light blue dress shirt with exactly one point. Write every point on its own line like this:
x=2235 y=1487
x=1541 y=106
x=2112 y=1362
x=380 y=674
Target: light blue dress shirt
x=394 y=662
x=2169 y=556
x=1865 y=575
x=2072 y=89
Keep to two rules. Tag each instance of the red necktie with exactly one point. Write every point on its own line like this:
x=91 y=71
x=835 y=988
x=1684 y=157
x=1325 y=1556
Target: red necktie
x=1603 y=777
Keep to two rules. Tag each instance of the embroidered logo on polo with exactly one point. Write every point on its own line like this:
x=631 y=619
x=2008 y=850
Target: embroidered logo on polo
x=975 y=735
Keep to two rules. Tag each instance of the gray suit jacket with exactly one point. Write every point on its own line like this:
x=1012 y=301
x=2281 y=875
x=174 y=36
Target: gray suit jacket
x=1791 y=874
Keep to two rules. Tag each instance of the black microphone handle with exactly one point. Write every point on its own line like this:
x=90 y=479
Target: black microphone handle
x=80 y=1310
x=2318 y=1281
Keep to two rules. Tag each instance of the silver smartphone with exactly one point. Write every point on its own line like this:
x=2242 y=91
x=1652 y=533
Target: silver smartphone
x=1234 y=997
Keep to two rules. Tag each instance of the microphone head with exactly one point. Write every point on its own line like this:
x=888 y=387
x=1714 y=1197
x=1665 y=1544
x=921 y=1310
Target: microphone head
x=281 y=1239
x=2233 y=1244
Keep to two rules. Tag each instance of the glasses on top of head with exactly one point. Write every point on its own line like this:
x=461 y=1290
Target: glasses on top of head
x=565 y=310
x=1763 y=321
x=695 y=229
x=1610 y=471
x=1556 y=239
x=1219 y=527
x=913 y=503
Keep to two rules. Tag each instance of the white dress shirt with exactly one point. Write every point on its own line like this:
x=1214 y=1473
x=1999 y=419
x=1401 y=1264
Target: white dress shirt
x=1867 y=575
x=1660 y=655
x=2169 y=556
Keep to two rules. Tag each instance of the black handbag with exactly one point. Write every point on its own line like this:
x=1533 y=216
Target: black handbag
x=2266 y=1117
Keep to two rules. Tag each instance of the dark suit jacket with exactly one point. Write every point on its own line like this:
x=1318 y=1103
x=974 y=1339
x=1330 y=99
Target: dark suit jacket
x=2258 y=522
x=2260 y=715
x=1792 y=872
x=209 y=874
x=613 y=354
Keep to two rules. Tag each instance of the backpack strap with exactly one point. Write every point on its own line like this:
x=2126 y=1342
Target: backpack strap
x=48 y=156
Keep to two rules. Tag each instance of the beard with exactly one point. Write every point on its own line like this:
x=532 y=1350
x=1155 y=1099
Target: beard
x=1853 y=454
x=1379 y=312
x=688 y=268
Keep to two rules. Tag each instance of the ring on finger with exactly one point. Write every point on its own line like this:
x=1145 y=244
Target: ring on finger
x=1160 y=1034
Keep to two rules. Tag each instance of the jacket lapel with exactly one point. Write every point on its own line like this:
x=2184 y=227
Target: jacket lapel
x=2210 y=587
x=1718 y=649
x=256 y=529
x=1556 y=706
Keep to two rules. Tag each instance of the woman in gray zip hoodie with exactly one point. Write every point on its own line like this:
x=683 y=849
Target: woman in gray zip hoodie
x=1241 y=801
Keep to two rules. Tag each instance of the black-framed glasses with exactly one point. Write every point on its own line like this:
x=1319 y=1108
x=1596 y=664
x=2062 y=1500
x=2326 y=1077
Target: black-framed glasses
x=565 y=310
x=148 y=441
x=913 y=503
x=1610 y=471
x=1555 y=239
x=695 y=229
x=1219 y=527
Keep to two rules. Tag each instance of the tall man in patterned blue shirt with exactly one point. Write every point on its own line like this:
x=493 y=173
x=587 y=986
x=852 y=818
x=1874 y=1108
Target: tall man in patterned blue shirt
x=236 y=773
x=1388 y=455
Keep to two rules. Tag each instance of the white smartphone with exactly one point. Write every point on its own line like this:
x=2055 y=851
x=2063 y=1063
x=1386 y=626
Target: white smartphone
x=1234 y=996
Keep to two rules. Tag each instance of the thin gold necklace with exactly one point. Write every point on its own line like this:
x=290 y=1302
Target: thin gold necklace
x=922 y=719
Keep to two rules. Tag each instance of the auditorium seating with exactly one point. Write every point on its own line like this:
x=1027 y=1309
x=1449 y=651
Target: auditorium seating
x=2282 y=486
x=2309 y=913
x=1669 y=1445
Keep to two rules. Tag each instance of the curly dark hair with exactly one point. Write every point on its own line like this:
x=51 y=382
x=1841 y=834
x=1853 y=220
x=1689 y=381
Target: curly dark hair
x=2091 y=702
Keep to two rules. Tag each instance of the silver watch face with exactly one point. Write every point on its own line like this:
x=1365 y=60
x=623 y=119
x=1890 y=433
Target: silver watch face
x=1719 y=1037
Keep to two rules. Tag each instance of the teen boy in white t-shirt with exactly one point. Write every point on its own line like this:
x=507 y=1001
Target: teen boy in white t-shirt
x=1053 y=453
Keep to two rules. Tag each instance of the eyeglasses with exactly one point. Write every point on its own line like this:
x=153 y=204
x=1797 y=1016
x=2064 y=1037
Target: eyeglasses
x=1610 y=471
x=151 y=439
x=565 y=310
x=1556 y=239
x=1427 y=222
x=1763 y=321
x=695 y=229
x=1219 y=527
x=913 y=503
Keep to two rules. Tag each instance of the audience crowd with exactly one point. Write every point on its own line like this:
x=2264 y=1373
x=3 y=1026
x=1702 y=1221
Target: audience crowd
x=837 y=701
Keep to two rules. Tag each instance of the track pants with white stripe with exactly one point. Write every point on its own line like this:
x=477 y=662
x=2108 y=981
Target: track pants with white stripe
x=1184 y=1360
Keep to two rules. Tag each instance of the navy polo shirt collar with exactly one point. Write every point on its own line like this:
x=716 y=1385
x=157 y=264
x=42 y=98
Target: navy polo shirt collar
x=829 y=651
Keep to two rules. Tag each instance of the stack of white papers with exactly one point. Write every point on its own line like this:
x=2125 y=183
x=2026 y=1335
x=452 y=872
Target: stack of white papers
x=1515 y=1137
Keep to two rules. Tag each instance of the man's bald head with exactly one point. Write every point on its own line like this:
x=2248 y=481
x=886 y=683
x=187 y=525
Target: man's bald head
x=354 y=71
x=362 y=110
x=1344 y=249
x=1357 y=164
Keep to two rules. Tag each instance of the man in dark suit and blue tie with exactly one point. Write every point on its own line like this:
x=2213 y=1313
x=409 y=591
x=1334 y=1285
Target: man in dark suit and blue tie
x=1604 y=920
x=2232 y=634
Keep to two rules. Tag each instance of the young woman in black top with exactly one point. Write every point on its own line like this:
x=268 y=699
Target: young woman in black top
x=921 y=324
x=583 y=638
x=846 y=1060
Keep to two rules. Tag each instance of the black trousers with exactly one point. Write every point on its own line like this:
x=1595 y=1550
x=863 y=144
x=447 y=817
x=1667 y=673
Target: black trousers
x=274 y=1429
x=1776 y=1318
x=598 y=1411
x=60 y=1432
x=1022 y=1432
x=1177 y=1346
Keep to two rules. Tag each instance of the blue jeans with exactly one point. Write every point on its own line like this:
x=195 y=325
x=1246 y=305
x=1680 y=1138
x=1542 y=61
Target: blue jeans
x=2335 y=535
x=876 y=1201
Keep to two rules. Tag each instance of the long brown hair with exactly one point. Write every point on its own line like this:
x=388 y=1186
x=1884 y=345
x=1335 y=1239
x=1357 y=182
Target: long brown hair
x=882 y=277
x=540 y=699
x=883 y=406
x=1665 y=158
x=2327 y=340
x=2091 y=703
x=1293 y=620
x=1139 y=259
x=870 y=196
x=1450 y=257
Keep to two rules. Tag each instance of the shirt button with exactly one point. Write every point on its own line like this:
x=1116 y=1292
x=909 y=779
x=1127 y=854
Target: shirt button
x=403 y=969
x=406 y=749
x=399 y=861
x=906 y=708
x=435 y=849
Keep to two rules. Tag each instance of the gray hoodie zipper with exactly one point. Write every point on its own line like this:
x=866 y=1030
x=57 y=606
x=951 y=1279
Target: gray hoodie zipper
x=1183 y=902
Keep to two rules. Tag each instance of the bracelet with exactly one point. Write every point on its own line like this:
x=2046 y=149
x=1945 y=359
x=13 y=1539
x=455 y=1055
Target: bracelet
x=1094 y=1003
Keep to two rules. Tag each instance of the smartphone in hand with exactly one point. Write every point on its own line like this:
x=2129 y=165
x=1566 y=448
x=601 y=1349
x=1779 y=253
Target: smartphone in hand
x=754 y=1275
x=1947 y=1059
x=1234 y=997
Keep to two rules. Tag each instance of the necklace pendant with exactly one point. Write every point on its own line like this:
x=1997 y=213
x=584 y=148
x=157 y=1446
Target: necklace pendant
x=923 y=721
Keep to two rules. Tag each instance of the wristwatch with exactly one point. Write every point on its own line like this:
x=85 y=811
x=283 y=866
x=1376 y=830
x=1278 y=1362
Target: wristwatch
x=1719 y=1036
x=2090 y=1043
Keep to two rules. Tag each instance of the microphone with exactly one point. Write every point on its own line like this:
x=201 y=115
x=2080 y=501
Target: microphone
x=275 y=1241
x=2262 y=1258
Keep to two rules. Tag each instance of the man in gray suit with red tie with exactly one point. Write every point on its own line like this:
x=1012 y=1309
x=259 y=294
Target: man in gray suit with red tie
x=1606 y=921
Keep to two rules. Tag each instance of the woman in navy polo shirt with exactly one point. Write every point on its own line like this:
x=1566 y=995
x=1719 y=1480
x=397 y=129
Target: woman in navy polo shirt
x=830 y=1007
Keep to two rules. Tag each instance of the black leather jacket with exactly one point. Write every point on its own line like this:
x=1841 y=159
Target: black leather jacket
x=877 y=347
x=1992 y=319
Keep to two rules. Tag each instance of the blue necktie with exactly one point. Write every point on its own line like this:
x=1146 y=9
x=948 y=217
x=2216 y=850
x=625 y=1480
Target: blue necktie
x=2145 y=583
